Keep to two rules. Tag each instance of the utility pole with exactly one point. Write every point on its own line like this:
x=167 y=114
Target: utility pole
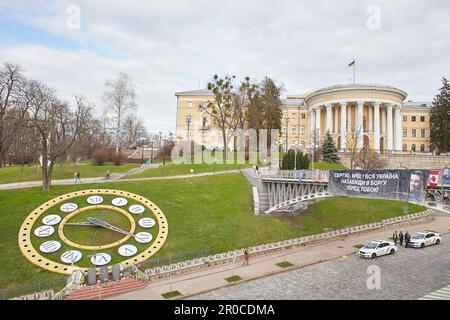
x=151 y=142
x=159 y=145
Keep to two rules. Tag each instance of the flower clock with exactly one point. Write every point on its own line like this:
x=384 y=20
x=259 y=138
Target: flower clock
x=91 y=229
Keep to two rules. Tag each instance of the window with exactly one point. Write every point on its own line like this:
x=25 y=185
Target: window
x=294 y=130
x=405 y=147
x=423 y=133
x=405 y=133
x=302 y=145
x=422 y=148
x=189 y=104
x=414 y=133
x=294 y=116
x=205 y=138
x=285 y=130
x=422 y=119
x=303 y=115
x=413 y=148
x=413 y=118
x=205 y=121
x=405 y=118
x=302 y=130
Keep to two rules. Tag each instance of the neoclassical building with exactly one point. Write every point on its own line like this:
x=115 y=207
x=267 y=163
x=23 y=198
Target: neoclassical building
x=376 y=117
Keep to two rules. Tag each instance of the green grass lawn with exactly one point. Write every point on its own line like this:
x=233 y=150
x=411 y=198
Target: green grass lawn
x=60 y=171
x=206 y=213
x=327 y=166
x=171 y=169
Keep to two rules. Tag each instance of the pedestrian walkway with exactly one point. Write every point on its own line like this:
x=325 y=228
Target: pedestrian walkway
x=442 y=294
x=113 y=178
x=214 y=278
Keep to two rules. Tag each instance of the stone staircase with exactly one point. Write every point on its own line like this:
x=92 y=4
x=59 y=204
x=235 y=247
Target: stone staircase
x=262 y=203
x=106 y=290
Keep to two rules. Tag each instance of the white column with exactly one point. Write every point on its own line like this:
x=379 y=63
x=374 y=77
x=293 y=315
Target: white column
x=336 y=119
x=376 y=129
x=318 y=131
x=343 y=125
x=398 y=138
x=349 y=119
x=389 y=133
x=370 y=119
x=329 y=118
x=359 y=125
x=383 y=123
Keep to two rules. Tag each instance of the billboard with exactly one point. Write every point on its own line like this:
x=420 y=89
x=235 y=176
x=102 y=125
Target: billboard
x=404 y=185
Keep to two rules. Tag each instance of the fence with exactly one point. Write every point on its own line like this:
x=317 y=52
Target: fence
x=38 y=286
x=173 y=258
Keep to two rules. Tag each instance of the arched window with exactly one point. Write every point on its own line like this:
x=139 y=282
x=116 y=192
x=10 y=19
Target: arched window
x=413 y=147
x=422 y=148
x=405 y=147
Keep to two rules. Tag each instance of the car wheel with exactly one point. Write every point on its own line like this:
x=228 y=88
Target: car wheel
x=438 y=241
x=374 y=255
x=392 y=251
x=422 y=245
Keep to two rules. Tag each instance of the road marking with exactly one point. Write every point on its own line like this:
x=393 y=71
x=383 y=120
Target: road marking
x=442 y=294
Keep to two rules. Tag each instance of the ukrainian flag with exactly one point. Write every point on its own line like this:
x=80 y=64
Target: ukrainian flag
x=352 y=63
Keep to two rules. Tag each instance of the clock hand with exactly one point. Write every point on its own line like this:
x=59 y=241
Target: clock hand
x=106 y=225
x=79 y=224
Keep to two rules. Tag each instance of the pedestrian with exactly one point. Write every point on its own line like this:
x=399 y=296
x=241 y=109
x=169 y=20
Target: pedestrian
x=246 y=257
x=257 y=169
x=395 y=237
x=108 y=173
x=407 y=239
x=78 y=177
x=400 y=237
x=74 y=177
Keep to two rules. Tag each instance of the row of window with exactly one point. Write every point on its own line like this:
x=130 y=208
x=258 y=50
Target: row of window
x=294 y=130
x=414 y=118
x=414 y=147
x=294 y=116
x=423 y=133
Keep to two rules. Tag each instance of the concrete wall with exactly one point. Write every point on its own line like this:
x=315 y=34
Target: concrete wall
x=415 y=161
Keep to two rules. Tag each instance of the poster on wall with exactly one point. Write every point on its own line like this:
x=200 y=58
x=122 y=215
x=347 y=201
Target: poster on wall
x=404 y=185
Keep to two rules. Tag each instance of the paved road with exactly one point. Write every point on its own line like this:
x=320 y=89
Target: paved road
x=409 y=274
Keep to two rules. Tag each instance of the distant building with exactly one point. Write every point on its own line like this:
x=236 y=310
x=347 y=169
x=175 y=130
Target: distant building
x=376 y=116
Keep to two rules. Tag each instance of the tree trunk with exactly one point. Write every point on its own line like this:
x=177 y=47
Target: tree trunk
x=224 y=138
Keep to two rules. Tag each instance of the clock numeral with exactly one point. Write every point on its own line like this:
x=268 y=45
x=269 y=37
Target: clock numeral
x=50 y=246
x=143 y=237
x=44 y=231
x=71 y=256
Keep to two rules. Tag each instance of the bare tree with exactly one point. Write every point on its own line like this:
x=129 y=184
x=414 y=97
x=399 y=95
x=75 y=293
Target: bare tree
x=354 y=141
x=133 y=130
x=12 y=111
x=368 y=159
x=119 y=98
x=56 y=125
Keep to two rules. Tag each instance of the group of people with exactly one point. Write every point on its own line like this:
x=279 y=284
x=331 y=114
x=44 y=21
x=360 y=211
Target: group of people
x=400 y=237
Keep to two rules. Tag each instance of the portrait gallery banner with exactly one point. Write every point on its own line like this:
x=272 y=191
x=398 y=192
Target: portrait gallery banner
x=404 y=185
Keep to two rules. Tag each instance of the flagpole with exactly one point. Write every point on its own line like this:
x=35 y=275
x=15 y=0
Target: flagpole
x=354 y=73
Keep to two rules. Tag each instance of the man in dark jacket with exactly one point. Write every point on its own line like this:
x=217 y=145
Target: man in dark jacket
x=400 y=237
x=407 y=239
x=395 y=237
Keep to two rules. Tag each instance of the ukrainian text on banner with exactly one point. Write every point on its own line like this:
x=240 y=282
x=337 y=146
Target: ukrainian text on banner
x=405 y=185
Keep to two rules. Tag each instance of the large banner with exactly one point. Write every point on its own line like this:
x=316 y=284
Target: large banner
x=405 y=185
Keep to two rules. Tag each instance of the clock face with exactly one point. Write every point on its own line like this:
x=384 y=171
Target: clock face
x=91 y=229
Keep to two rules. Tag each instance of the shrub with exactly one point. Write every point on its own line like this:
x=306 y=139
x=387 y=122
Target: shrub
x=100 y=156
x=118 y=159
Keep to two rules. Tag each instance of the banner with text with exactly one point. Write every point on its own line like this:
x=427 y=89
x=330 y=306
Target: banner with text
x=405 y=185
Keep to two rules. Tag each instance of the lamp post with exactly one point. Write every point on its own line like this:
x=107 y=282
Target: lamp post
x=294 y=145
x=188 y=122
x=142 y=147
x=164 y=152
x=151 y=143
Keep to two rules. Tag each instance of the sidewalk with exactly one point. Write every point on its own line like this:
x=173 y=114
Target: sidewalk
x=114 y=178
x=214 y=278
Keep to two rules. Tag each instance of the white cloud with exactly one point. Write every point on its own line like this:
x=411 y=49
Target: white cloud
x=167 y=46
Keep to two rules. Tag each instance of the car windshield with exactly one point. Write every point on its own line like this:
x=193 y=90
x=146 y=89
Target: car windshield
x=418 y=236
x=371 y=245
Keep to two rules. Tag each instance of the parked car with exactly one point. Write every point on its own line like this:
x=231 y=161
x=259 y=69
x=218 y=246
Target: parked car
x=377 y=248
x=424 y=238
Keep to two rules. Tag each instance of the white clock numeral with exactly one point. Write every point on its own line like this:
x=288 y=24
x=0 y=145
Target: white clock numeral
x=50 y=246
x=147 y=223
x=51 y=220
x=44 y=231
x=95 y=200
x=136 y=209
x=100 y=259
x=71 y=256
x=119 y=202
x=69 y=207
x=127 y=250
x=143 y=237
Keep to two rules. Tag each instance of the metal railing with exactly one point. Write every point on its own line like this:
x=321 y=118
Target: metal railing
x=17 y=291
x=174 y=258
x=298 y=175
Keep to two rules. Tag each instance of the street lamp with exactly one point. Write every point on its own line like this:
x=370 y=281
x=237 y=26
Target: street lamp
x=188 y=122
x=294 y=145
x=142 y=148
x=151 y=143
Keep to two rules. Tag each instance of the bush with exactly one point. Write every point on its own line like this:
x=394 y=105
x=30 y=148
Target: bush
x=100 y=156
x=118 y=159
x=289 y=161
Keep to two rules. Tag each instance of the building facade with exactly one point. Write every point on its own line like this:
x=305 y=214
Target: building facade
x=375 y=117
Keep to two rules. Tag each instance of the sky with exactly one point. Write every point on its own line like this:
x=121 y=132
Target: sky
x=178 y=45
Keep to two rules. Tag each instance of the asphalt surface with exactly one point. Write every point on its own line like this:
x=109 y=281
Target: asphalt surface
x=408 y=274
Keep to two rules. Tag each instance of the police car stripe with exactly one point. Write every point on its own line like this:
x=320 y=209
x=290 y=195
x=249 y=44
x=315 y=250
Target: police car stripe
x=442 y=294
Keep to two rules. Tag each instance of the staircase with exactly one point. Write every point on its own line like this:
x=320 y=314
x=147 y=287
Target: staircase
x=262 y=203
x=106 y=290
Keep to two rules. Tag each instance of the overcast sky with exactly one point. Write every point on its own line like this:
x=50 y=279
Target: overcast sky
x=169 y=46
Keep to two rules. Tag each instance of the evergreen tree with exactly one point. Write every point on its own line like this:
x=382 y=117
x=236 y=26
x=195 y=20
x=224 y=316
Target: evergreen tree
x=329 y=150
x=440 y=119
x=289 y=161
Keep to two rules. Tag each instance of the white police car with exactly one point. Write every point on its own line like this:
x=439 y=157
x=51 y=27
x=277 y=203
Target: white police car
x=377 y=248
x=424 y=238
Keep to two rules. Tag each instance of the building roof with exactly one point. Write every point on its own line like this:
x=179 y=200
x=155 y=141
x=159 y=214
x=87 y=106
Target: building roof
x=351 y=87
x=199 y=92
x=417 y=105
x=293 y=102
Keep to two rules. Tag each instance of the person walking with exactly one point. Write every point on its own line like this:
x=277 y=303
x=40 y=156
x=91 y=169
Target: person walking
x=395 y=237
x=400 y=237
x=108 y=173
x=407 y=239
x=246 y=257
x=77 y=179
